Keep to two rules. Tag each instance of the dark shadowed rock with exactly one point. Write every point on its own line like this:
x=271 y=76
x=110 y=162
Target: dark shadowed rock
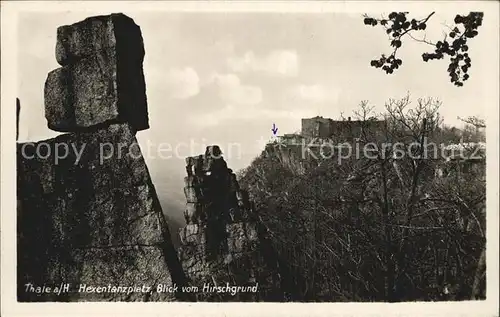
x=81 y=95
x=101 y=80
x=139 y=266
x=88 y=213
x=222 y=241
x=92 y=218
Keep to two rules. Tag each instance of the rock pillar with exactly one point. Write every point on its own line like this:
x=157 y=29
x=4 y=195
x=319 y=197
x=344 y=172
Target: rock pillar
x=222 y=243
x=88 y=213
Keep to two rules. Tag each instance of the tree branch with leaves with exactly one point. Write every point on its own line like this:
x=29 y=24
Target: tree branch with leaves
x=454 y=45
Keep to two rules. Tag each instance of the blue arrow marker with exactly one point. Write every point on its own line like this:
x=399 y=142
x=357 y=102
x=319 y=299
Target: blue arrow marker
x=274 y=129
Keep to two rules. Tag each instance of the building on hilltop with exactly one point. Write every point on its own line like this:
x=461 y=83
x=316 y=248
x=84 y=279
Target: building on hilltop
x=319 y=127
x=291 y=138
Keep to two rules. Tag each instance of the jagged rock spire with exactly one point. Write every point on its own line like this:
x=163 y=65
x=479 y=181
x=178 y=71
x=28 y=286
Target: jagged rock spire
x=222 y=233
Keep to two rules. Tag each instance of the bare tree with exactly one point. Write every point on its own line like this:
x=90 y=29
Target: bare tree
x=379 y=227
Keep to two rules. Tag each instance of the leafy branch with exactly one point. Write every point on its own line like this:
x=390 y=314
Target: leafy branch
x=454 y=45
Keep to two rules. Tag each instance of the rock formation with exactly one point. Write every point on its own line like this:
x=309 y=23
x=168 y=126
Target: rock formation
x=222 y=243
x=90 y=225
x=88 y=213
x=101 y=78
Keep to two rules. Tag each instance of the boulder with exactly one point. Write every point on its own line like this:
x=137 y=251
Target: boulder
x=110 y=35
x=102 y=79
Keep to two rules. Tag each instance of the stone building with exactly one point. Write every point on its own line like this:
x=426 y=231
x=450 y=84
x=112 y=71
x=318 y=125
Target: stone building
x=319 y=127
x=291 y=138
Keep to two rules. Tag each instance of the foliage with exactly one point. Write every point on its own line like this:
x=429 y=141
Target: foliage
x=378 y=229
x=454 y=45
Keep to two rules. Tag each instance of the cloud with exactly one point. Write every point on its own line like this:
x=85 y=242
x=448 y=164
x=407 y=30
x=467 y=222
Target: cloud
x=182 y=83
x=233 y=113
x=232 y=91
x=240 y=103
x=314 y=93
x=277 y=62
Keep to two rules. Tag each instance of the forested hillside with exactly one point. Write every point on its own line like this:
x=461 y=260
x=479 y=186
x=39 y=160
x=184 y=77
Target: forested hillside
x=388 y=227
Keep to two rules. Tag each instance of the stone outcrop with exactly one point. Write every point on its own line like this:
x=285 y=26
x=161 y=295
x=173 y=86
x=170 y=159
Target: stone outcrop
x=90 y=225
x=88 y=213
x=101 y=79
x=222 y=243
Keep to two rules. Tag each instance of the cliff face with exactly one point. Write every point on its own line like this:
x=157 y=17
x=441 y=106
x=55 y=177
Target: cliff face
x=290 y=156
x=91 y=221
x=222 y=243
x=88 y=213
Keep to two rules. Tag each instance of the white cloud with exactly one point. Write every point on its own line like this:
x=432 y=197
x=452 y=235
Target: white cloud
x=314 y=93
x=182 y=83
x=280 y=62
x=233 y=92
x=231 y=113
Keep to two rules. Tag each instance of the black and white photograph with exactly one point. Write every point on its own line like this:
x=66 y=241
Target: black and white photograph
x=250 y=152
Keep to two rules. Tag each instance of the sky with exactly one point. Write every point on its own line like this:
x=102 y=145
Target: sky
x=226 y=77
